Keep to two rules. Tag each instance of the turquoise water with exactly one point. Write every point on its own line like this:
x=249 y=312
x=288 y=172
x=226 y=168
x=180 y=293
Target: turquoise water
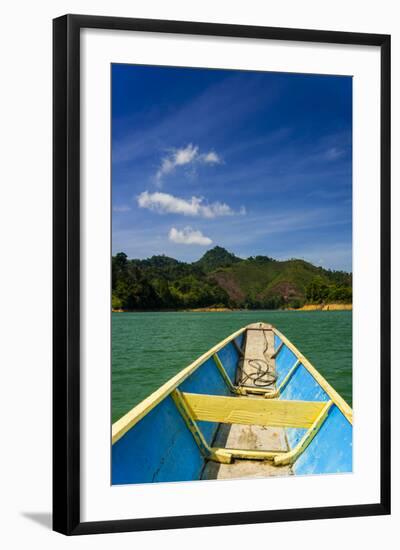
x=149 y=348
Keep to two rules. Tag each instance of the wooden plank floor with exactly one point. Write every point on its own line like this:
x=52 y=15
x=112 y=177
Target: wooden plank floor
x=259 y=348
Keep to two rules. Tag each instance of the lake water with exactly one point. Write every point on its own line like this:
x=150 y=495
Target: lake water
x=149 y=348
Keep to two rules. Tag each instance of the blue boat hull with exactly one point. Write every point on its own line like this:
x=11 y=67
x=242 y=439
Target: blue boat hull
x=331 y=449
x=160 y=447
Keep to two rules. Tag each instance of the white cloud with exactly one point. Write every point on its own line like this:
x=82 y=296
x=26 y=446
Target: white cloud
x=184 y=156
x=188 y=236
x=122 y=208
x=211 y=158
x=164 y=203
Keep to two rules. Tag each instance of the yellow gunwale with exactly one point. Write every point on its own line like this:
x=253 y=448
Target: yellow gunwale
x=333 y=394
x=132 y=417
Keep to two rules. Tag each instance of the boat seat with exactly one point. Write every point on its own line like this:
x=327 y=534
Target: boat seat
x=251 y=411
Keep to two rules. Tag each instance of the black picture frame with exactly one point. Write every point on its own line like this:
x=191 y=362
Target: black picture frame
x=66 y=273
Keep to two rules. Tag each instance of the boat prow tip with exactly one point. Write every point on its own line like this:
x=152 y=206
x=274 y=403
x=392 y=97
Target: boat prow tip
x=260 y=325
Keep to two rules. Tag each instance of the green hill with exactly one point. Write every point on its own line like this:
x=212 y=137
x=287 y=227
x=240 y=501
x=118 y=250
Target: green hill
x=215 y=258
x=222 y=279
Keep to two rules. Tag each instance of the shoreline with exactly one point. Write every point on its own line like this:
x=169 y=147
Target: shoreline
x=325 y=307
x=307 y=307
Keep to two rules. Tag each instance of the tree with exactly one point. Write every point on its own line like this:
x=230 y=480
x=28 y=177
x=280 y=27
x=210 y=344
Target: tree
x=221 y=278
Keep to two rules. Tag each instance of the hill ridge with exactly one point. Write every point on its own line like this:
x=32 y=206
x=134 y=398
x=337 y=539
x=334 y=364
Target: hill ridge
x=220 y=278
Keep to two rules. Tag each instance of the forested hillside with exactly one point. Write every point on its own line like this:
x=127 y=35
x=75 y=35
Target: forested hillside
x=221 y=279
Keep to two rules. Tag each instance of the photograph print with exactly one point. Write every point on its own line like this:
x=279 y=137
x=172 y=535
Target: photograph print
x=231 y=274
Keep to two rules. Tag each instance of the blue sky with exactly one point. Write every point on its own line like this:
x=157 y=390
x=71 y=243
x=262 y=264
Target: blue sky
x=256 y=162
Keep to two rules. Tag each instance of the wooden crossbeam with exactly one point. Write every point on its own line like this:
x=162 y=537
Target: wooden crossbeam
x=276 y=393
x=288 y=377
x=334 y=396
x=291 y=456
x=238 y=348
x=223 y=373
x=247 y=410
x=210 y=454
x=277 y=351
x=253 y=390
x=239 y=390
x=222 y=455
x=181 y=405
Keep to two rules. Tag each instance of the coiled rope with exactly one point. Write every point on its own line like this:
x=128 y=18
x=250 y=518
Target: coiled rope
x=263 y=375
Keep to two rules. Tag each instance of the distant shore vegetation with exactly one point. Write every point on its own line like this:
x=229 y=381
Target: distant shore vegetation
x=221 y=280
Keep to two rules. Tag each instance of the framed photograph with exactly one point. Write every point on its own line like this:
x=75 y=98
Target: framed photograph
x=221 y=274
